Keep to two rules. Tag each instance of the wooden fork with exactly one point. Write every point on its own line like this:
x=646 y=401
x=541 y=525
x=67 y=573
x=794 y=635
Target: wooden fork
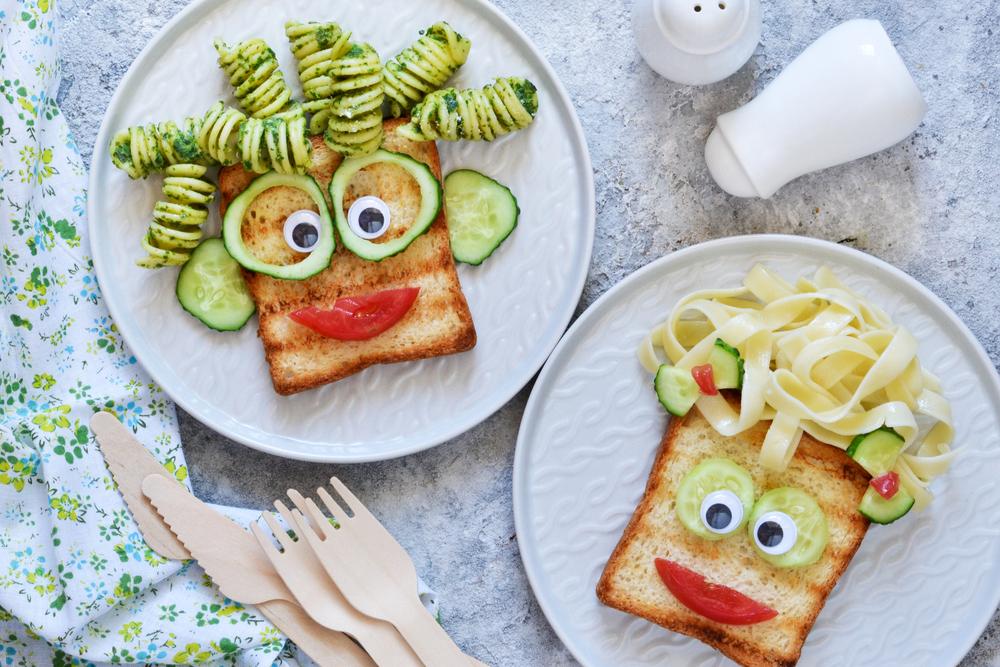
x=374 y=572
x=309 y=583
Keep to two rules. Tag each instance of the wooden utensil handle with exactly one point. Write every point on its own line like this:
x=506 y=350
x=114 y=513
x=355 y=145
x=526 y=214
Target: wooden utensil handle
x=326 y=647
x=385 y=645
x=429 y=640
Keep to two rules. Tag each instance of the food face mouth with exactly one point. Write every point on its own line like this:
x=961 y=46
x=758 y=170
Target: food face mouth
x=713 y=601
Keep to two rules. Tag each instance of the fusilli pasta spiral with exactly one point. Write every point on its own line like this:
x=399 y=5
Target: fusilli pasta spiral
x=218 y=131
x=315 y=47
x=178 y=219
x=141 y=150
x=278 y=142
x=253 y=71
x=354 y=127
x=423 y=67
x=506 y=105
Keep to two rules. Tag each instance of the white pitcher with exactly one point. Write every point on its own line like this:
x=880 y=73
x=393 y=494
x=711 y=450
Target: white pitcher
x=847 y=95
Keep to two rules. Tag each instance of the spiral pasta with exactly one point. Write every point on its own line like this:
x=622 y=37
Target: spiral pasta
x=423 y=67
x=177 y=222
x=141 y=150
x=819 y=359
x=278 y=142
x=354 y=127
x=315 y=47
x=253 y=71
x=506 y=105
x=218 y=131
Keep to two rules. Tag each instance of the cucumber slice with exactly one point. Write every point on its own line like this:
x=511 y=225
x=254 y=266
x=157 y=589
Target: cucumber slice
x=232 y=228
x=481 y=214
x=879 y=510
x=707 y=477
x=810 y=531
x=727 y=365
x=676 y=389
x=430 y=203
x=211 y=287
x=876 y=451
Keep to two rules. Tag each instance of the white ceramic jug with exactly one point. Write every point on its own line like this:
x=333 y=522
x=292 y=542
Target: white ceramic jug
x=847 y=95
x=696 y=41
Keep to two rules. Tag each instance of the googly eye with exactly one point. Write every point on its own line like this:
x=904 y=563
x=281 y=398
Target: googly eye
x=369 y=217
x=775 y=533
x=722 y=512
x=302 y=230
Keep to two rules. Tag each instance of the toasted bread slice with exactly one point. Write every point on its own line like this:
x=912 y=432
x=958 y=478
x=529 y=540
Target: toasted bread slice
x=630 y=581
x=438 y=323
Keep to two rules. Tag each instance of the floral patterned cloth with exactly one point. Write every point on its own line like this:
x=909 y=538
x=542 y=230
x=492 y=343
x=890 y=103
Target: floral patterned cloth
x=78 y=585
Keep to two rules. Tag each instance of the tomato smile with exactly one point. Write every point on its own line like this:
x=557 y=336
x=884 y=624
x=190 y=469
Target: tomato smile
x=713 y=601
x=359 y=317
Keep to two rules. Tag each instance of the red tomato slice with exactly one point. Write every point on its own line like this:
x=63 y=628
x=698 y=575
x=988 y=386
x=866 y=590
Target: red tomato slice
x=713 y=601
x=359 y=317
x=886 y=484
x=705 y=377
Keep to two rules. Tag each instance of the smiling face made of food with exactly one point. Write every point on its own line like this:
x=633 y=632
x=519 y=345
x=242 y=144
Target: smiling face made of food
x=733 y=554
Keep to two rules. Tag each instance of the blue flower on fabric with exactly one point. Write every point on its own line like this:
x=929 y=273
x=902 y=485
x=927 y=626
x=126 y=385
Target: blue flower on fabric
x=96 y=590
x=152 y=652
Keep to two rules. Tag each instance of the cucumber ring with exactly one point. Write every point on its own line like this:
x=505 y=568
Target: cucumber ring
x=431 y=197
x=232 y=228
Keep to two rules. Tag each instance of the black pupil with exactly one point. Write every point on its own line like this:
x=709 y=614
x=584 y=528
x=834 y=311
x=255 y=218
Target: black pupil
x=305 y=235
x=718 y=516
x=371 y=220
x=770 y=534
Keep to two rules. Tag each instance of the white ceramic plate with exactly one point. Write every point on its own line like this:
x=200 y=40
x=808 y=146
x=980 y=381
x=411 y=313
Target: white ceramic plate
x=917 y=593
x=522 y=298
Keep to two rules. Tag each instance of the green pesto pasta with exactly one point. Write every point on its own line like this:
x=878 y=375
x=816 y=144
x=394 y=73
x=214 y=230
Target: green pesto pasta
x=315 y=47
x=506 y=105
x=354 y=127
x=141 y=150
x=279 y=142
x=218 y=131
x=257 y=80
x=423 y=67
x=177 y=219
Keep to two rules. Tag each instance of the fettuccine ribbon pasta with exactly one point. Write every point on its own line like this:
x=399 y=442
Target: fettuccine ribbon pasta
x=818 y=359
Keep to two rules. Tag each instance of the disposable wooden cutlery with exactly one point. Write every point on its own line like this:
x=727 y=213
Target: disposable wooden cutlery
x=302 y=572
x=373 y=571
x=130 y=462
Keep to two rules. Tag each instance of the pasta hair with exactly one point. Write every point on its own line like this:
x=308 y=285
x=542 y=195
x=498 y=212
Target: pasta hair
x=217 y=133
x=140 y=150
x=279 y=143
x=315 y=47
x=423 y=67
x=496 y=109
x=354 y=125
x=176 y=228
x=253 y=71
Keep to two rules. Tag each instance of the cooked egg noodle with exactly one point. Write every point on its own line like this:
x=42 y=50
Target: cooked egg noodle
x=818 y=359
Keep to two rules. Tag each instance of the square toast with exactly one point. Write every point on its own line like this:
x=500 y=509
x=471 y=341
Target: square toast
x=630 y=581
x=438 y=323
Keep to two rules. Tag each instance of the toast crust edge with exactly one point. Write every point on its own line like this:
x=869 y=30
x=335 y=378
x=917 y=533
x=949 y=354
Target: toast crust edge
x=708 y=632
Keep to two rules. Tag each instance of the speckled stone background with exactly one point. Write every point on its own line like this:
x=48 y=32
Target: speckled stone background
x=930 y=206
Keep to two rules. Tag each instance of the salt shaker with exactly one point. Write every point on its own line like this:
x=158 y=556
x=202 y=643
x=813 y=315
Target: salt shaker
x=696 y=41
x=848 y=95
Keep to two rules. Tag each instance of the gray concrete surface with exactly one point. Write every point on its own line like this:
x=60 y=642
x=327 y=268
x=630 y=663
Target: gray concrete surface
x=929 y=206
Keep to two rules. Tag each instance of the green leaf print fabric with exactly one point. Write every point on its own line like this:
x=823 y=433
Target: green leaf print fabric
x=78 y=585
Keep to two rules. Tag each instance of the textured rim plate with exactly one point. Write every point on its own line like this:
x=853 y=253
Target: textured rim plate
x=592 y=427
x=521 y=299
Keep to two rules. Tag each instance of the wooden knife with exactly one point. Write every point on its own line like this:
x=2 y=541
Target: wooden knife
x=249 y=576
